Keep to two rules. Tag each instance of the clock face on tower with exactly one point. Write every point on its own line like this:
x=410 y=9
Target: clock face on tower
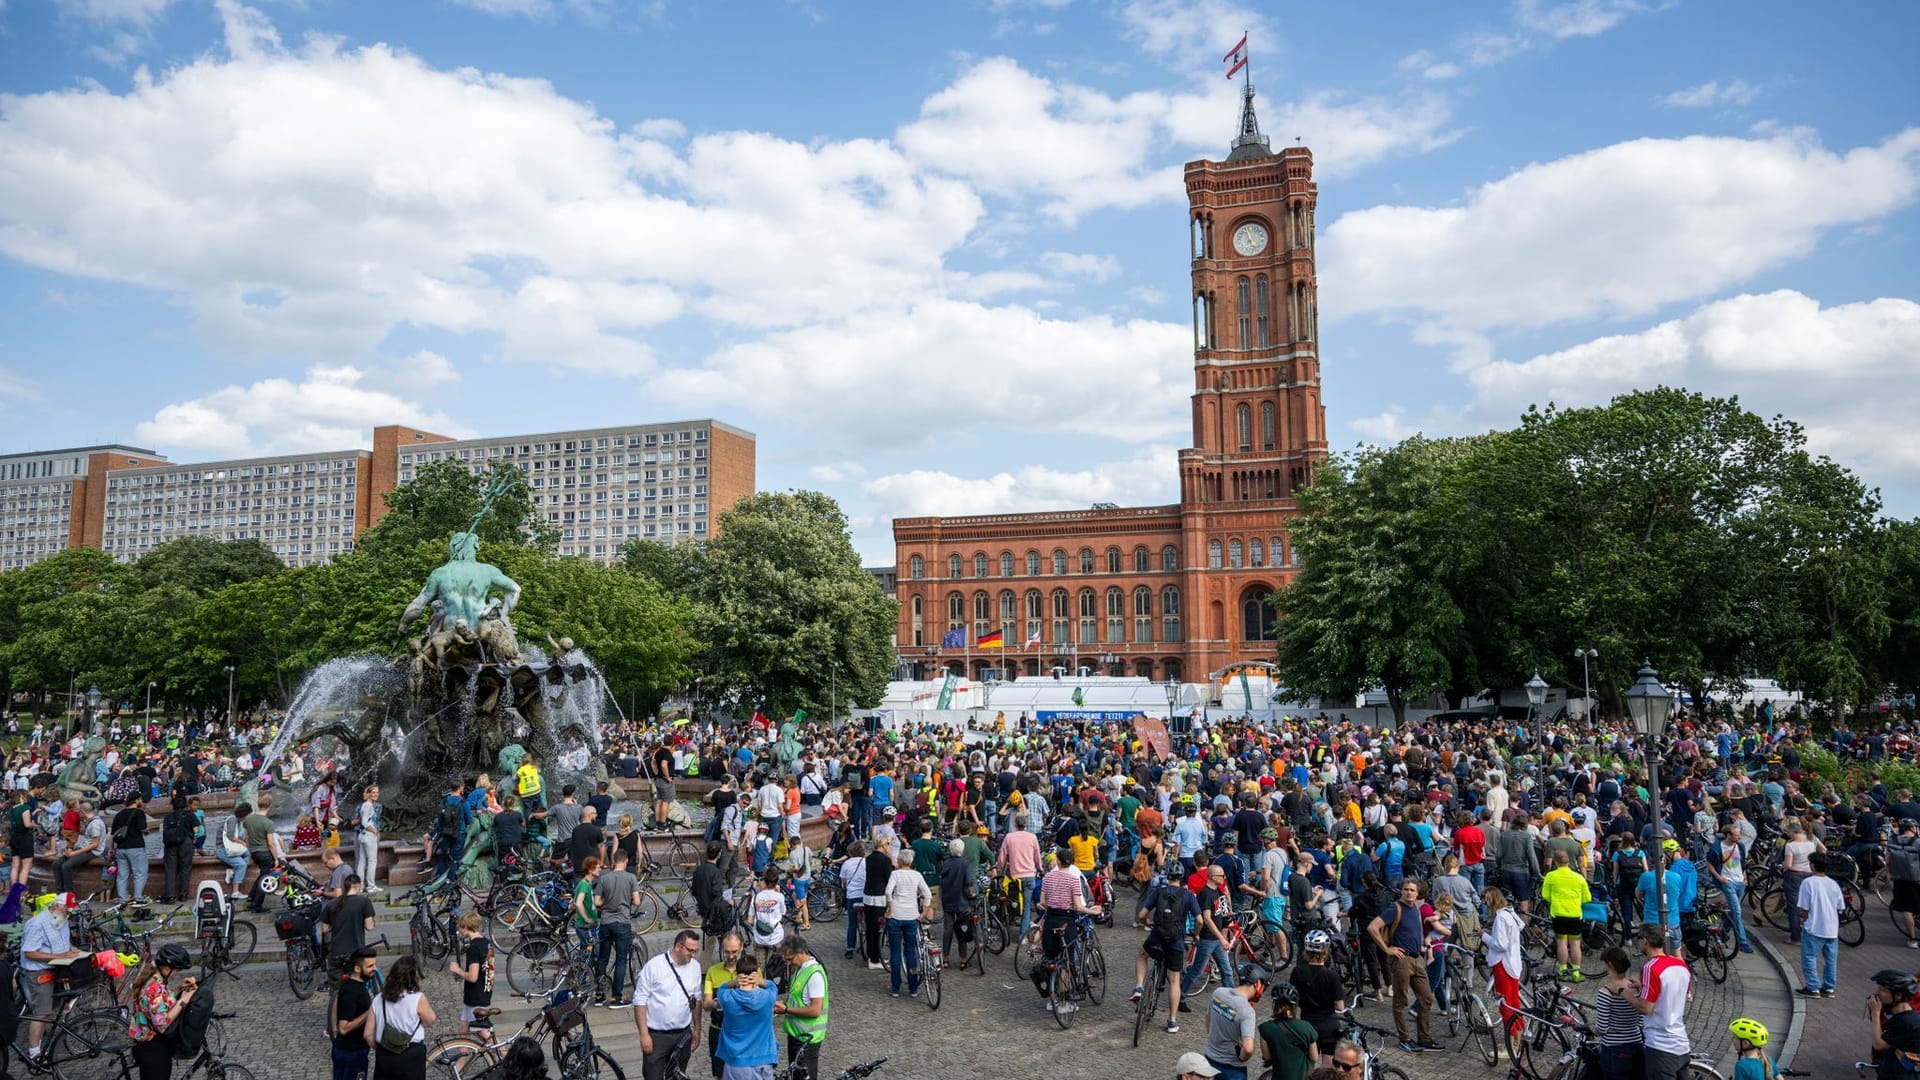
x=1250 y=239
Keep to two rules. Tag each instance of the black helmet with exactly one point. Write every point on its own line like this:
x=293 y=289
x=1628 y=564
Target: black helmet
x=1286 y=994
x=173 y=956
x=1908 y=823
x=1900 y=982
x=1255 y=973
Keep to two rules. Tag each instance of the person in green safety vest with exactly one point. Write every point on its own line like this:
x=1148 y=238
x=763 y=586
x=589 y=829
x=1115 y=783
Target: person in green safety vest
x=803 y=1008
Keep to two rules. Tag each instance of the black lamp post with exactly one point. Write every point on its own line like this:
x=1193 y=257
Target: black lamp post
x=1648 y=705
x=1536 y=695
x=93 y=706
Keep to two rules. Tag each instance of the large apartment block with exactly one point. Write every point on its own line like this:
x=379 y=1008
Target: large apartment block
x=599 y=487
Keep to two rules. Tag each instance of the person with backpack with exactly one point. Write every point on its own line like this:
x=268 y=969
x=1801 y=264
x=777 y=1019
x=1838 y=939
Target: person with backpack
x=401 y=1016
x=130 y=849
x=176 y=851
x=156 y=1023
x=1167 y=908
x=449 y=835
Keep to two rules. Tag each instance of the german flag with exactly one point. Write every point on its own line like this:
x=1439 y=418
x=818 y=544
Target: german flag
x=993 y=640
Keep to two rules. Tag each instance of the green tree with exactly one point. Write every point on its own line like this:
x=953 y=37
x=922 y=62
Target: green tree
x=203 y=565
x=1370 y=606
x=671 y=566
x=1897 y=660
x=442 y=499
x=784 y=610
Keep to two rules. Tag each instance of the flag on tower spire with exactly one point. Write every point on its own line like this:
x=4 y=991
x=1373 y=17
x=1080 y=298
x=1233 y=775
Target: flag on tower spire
x=1237 y=57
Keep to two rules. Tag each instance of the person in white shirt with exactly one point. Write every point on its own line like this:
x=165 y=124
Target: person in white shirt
x=667 y=1007
x=908 y=900
x=1820 y=902
x=769 y=911
x=1663 y=986
x=853 y=878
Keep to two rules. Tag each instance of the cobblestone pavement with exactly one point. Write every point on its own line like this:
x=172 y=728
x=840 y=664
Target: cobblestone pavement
x=992 y=1026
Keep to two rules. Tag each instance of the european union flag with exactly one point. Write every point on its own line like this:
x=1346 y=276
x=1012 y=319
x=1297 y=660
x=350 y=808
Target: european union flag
x=955 y=639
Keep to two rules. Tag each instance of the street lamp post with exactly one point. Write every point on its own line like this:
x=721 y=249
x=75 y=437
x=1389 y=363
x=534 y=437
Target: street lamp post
x=1536 y=695
x=1067 y=653
x=1108 y=662
x=93 y=706
x=1649 y=704
x=149 y=719
x=1586 y=680
x=833 y=694
x=229 y=695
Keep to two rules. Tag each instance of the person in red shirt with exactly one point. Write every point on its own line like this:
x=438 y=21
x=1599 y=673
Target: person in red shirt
x=1471 y=842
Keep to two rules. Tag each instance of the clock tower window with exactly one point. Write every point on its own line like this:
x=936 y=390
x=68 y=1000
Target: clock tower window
x=1244 y=415
x=1266 y=425
x=1245 y=311
x=1260 y=309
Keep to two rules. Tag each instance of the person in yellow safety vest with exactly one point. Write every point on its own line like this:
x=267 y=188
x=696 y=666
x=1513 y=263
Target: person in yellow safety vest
x=1566 y=894
x=803 y=1008
x=528 y=786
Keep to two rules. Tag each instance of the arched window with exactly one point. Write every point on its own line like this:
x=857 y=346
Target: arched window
x=1233 y=554
x=1213 y=554
x=953 y=566
x=1006 y=564
x=1173 y=670
x=1089 y=616
x=1033 y=615
x=1143 y=614
x=1116 y=616
x=1244 y=310
x=1033 y=564
x=1279 y=551
x=1257 y=617
x=1243 y=416
x=979 y=564
x=982 y=614
x=1141 y=560
x=1260 y=310
x=1256 y=554
x=1113 y=560
x=1169 y=558
x=1086 y=560
x=1059 y=562
x=956 y=610
x=916 y=606
x=1266 y=426
x=1009 y=611
x=1170 y=613
x=916 y=568
x=1060 y=613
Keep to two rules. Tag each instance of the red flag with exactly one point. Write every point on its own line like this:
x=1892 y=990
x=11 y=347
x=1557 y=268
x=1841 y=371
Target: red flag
x=1237 y=58
x=760 y=720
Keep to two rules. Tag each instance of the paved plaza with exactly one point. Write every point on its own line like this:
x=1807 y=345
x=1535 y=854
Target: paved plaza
x=991 y=1026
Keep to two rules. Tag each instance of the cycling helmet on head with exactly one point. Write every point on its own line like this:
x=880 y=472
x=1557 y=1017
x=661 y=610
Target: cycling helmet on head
x=1751 y=1030
x=1286 y=994
x=1894 y=979
x=173 y=956
x=1319 y=941
x=1669 y=844
x=1909 y=823
x=1255 y=973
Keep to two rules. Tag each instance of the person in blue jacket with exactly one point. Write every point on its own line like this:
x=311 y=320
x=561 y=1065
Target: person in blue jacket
x=747 y=1048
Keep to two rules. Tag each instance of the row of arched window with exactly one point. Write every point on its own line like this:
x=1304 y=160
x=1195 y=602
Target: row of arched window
x=1085 y=563
x=1244 y=425
x=1062 y=617
x=1234 y=555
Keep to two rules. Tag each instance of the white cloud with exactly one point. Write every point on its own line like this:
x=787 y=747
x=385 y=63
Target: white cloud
x=1016 y=368
x=331 y=408
x=1610 y=233
x=1427 y=66
x=1187 y=33
x=140 y=13
x=1840 y=371
x=1071 y=265
x=364 y=190
x=838 y=472
x=1735 y=92
x=1146 y=479
x=1486 y=48
x=662 y=128
x=1576 y=18
x=542 y=10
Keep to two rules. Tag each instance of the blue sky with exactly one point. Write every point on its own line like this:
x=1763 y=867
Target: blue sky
x=933 y=254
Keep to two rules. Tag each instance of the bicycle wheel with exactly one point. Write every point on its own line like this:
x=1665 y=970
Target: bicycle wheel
x=457 y=1057
x=1060 y=993
x=535 y=966
x=648 y=913
x=1096 y=975
x=1024 y=958
x=1882 y=886
x=1773 y=908
x=245 y=938
x=220 y=1070
x=1700 y=1070
x=1480 y=1027
x=993 y=933
x=1383 y=1071
x=84 y=1046
x=1149 y=1002
x=302 y=973
x=509 y=904
x=1595 y=938
x=1202 y=982
x=682 y=860
x=577 y=1064
x=1853 y=917
x=929 y=981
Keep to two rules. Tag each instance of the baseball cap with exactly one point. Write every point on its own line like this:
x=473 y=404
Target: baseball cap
x=1195 y=1063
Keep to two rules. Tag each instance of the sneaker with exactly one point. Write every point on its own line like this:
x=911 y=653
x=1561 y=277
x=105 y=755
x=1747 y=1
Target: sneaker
x=1184 y=1007
x=1826 y=993
x=1429 y=1044
x=1745 y=947
x=1806 y=992
x=871 y=966
x=1575 y=976
x=1411 y=1047
x=1913 y=944
x=1067 y=1007
x=1138 y=993
x=848 y=955
x=1173 y=1026
x=893 y=993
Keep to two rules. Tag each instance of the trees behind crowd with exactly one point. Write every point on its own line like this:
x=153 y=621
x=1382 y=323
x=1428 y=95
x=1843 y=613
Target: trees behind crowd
x=181 y=614
x=1666 y=525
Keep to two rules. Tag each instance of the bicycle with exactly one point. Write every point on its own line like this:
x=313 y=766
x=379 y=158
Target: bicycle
x=1079 y=974
x=226 y=941
x=210 y=1061
x=563 y=1022
x=683 y=856
x=73 y=1035
x=851 y=1072
x=539 y=963
x=1230 y=956
x=429 y=935
x=1148 y=1003
x=1373 y=1067
x=1005 y=902
x=930 y=958
x=1466 y=1008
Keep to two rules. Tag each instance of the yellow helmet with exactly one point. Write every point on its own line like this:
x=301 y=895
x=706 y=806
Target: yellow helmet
x=1752 y=1031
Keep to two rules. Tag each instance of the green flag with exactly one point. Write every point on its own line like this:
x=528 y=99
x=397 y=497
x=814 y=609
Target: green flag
x=946 y=692
x=1078 y=697
x=799 y=715
x=1247 y=687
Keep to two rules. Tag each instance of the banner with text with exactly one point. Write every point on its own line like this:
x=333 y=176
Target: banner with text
x=1098 y=716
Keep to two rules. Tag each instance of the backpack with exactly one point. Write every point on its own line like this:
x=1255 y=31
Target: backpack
x=1169 y=920
x=448 y=824
x=132 y=832
x=189 y=1033
x=176 y=828
x=1627 y=870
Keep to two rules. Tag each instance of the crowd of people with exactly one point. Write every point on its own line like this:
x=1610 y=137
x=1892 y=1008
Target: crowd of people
x=1313 y=835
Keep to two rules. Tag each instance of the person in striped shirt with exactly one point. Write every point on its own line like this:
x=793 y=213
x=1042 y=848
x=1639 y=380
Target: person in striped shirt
x=1615 y=1020
x=1063 y=896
